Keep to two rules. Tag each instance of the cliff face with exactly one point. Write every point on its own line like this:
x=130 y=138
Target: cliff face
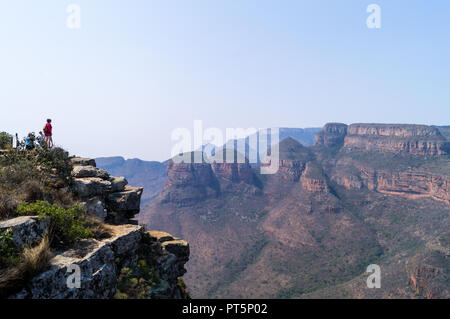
x=189 y=183
x=313 y=179
x=413 y=139
x=104 y=263
x=409 y=184
x=395 y=138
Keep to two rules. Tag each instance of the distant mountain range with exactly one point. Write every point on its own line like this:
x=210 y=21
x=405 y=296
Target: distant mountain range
x=152 y=174
x=148 y=174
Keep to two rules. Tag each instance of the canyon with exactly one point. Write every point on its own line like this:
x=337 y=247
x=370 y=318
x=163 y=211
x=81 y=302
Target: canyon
x=361 y=194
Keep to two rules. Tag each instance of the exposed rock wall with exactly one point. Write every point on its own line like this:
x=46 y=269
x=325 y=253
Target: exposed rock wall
x=100 y=263
x=413 y=139
x=189 y=183
x=313 y=179
x=103 y=196
x=412 y=184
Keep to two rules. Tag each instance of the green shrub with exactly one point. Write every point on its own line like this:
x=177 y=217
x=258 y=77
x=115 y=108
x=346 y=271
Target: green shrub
x=67 y=225
x=55 y=159
x=136 y=283
x=34 y=175
x=8 y=249
x=6 y=140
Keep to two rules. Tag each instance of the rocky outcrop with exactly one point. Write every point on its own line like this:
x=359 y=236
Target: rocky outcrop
x=100 y=263
x=332 y=135
x=171 y=255
x=80 y=161
x=91 y=186
x=126 y=201
x=189 y=183
x=313 y=179
x=103 y=196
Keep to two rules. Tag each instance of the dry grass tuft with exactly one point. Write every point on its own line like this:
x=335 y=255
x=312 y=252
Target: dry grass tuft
x=99 y=228
x=33 y=261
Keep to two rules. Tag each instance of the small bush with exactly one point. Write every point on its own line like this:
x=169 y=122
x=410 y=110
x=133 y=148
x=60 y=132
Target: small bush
x=55 y=159
x=67 y=225
x=6 y=140
x=136 y=283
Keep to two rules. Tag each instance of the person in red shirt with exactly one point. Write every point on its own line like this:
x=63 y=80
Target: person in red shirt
x=48 y=133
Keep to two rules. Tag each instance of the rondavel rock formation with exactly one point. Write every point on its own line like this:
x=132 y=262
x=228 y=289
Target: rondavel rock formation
x=108 y=198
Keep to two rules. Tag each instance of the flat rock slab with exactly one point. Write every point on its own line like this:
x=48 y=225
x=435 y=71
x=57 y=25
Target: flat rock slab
x=179 y=248
x=160 y=236
x=91 y=186
x=80 y=161
x=26 y=230
x=89 y=171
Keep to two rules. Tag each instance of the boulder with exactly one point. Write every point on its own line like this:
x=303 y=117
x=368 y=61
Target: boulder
x=128 y=200
x=91 y=186
x=26 y=230
x=117 y=183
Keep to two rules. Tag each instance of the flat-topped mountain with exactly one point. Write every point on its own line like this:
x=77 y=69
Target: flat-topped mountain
x=362 y=194
x=413 y=139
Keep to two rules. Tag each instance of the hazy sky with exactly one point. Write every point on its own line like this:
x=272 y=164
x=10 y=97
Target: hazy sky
x=136 y=70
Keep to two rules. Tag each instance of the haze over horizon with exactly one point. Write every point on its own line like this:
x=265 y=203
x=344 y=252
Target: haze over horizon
x=136 y=71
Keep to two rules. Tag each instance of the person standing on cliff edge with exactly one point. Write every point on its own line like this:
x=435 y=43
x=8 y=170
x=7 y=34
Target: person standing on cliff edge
x=48 y=133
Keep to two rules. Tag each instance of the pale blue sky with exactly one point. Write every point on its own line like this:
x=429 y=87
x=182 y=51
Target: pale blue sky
x=136 y=70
